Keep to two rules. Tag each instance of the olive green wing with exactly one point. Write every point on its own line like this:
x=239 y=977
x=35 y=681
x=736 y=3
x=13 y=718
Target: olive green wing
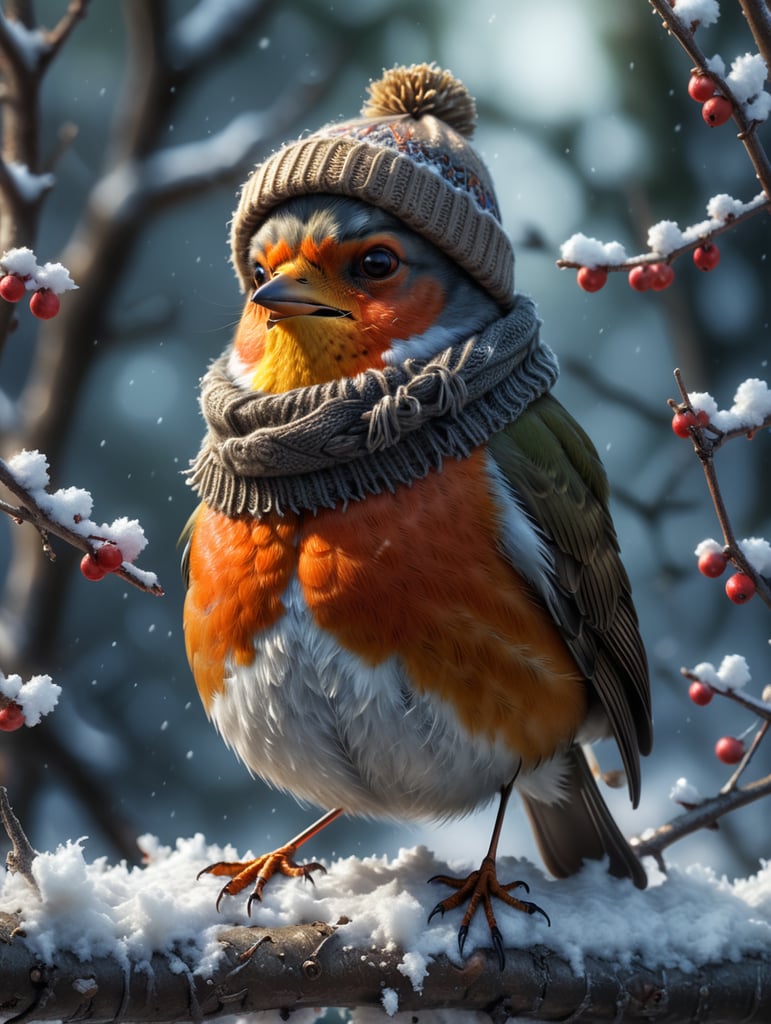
x=556 y=475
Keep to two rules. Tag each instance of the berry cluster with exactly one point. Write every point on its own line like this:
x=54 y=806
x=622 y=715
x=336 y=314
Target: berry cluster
x=645 y=277
x=43 y=303
x=716 y=109
x=713 y=562
x=728 y=749
x=107 y=558
x=657 y=275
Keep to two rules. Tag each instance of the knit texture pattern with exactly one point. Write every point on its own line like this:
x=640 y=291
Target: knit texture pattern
x=410 y=153
x=328 y=444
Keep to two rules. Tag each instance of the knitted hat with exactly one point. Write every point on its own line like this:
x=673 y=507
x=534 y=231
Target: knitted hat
x=408 y=154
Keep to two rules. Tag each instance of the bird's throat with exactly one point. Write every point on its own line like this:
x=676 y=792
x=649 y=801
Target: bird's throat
x=304 y=350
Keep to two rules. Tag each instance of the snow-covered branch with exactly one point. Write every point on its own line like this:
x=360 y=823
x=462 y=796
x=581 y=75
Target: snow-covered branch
x=65 y=514
x=113 y=943
x=308 y=966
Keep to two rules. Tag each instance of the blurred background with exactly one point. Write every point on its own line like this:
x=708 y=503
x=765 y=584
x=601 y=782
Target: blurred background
x=585 y=122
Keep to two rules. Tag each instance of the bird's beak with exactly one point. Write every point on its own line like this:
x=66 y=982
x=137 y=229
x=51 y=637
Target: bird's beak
x=285 y=296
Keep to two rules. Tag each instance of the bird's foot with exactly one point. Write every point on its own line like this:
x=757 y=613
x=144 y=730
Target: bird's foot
x=482 y=886
x=259 y=871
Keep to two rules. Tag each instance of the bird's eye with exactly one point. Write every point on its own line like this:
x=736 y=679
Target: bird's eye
x=379 y=263
x=260 y=275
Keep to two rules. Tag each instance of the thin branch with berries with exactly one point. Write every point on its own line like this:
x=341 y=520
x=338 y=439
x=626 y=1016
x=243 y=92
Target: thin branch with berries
x=722 y=97
x=100 y=555
x=707 y=439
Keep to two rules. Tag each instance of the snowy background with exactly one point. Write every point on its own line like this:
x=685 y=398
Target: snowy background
x=586 y=125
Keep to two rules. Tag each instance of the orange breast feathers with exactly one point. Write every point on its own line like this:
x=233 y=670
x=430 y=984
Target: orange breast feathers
x=238 y=570
x=417 y=574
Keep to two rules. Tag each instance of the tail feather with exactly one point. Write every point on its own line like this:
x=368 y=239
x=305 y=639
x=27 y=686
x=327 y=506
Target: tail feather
x=580 y=827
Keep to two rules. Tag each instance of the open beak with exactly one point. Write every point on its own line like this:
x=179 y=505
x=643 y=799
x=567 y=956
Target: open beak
x=286 y=296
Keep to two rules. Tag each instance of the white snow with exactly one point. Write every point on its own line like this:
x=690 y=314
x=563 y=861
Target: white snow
x=390 y=1001
x=707 y=547
x=29 y=43
x=72 y=507
x=757 y=551
x=751 y=406
x=23 y=262
x=29 y=186
x=683 y=792
x=733 y=674
x=591 y=252
x=685 y=919
x=706 y=12
x=37 y=697
x=747 y=79
x=664 y=237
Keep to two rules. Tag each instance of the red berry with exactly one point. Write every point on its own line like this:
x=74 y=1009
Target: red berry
x=109 y=557
x=591 y=279
x=662 y=276
x=739 y=588
x=11 y=717
x=701 y=88
x=12 y=288
x=44 y=304
x=717 y=111
x=91 y=568
x=682 y=422
x=640 y=277
x=729 y=750
x=706 y=257
x=700 y=693
x=702 y=418
x=712 y=564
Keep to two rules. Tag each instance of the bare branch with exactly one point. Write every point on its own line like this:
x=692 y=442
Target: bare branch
x=56 y=37
x=704 y=815
x=20 y=857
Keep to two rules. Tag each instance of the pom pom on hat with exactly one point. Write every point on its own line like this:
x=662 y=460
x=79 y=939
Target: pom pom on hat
x=408 y=154
x=423 y=89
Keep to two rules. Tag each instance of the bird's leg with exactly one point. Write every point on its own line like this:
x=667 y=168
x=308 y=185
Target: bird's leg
x=481 y=886
x=261 y=869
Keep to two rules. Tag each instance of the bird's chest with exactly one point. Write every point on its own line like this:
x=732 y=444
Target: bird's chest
x=414 y=578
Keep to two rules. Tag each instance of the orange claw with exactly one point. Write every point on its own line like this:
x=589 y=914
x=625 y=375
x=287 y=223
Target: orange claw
x=260 y=870
x=482 y=886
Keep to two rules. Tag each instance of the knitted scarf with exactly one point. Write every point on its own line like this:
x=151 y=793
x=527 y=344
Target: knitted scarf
x=319 y=446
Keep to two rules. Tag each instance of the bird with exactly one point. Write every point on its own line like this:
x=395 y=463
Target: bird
x=414 y=649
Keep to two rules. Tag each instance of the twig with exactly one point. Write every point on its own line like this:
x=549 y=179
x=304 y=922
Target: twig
x=703 y=815
x=30 y=512
x=747 y=128
x=56 y=37
x=22 y=855
x=706 y=441
x=757 y=739
x=645 y=259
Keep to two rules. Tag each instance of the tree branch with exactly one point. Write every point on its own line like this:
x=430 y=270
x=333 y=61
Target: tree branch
x=747 y=129
x=703 y=815
x=309 y=965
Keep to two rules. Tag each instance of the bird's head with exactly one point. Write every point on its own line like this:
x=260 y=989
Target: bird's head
x=340 y=287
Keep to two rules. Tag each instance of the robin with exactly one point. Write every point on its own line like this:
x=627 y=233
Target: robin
x=405 y=596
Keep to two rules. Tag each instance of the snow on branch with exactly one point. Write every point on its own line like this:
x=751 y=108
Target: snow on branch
x=740 y=94
x=146 y=943
x=65 y=513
